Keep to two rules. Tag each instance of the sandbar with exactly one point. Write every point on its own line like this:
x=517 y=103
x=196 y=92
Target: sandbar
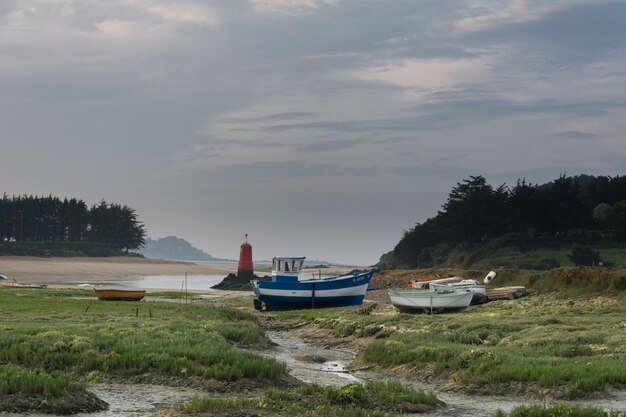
x=27 y=269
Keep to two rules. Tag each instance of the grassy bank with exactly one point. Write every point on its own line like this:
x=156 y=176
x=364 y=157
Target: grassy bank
x=374 y=399
x=23 y=390
x=516 y=251
x=541 y=258
x=548 y=344
x=557 y=410
x=155 y=342
x=49 y=330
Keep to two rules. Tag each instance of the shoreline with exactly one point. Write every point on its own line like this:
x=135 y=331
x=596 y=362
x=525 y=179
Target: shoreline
x=34 y=270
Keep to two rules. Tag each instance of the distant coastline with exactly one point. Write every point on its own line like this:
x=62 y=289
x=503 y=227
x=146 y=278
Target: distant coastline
x=177 y=249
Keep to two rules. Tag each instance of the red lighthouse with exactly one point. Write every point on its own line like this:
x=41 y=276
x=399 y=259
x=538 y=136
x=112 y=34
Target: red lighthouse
x=245 y=266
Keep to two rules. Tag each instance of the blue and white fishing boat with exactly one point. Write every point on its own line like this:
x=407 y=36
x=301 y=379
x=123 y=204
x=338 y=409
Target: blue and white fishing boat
x=286 y=291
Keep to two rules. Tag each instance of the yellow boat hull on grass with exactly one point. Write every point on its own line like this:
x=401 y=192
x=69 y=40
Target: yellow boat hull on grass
x=110 y=294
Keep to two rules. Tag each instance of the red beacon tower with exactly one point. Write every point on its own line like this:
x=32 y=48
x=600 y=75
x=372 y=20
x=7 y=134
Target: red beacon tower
x=245 y=266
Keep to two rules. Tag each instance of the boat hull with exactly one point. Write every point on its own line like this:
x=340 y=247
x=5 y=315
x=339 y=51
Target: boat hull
x=425 y=300
x=119 y=295
x=334 y=292
x=479 y=290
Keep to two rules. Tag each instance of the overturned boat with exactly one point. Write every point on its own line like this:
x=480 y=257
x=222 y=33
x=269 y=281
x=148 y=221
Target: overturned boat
x=286 y=291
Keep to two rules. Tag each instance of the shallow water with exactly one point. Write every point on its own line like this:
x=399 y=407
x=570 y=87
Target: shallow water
x=132 y=400
x=165 y=282
x=328 y=369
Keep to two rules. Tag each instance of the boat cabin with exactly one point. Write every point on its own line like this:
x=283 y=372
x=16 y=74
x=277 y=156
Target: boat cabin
x=286 y=269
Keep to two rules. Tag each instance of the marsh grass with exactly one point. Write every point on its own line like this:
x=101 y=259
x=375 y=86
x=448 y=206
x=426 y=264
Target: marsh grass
x=556 y=410
x=43 y=330
x=374 y=399
x=569 y=346
x=14 y=380
x=26 y=390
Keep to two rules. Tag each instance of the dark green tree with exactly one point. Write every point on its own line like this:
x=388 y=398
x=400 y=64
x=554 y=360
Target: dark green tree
x=475 y=210
x=523 y=209
x=617 y=220
x=584 y=256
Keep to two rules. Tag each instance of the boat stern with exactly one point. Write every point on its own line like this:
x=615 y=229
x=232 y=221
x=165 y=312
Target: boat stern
x=255 y=288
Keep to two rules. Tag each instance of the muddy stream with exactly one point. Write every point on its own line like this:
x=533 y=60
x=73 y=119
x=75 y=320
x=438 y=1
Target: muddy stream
x=311 y=360
x=322 y=362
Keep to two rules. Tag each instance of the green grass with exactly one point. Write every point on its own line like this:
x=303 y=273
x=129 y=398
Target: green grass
x=579 y=281
x=14 y=380
x=569 y=346
x=374 y=399
x=513 y=257
x=556 y=410
x=27 y=390
x=47 y=330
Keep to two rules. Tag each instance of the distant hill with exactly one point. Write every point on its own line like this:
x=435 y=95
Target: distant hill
x=172 y=247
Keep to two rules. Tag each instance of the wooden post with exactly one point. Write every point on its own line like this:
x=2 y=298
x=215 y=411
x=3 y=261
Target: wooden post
x=313 y=296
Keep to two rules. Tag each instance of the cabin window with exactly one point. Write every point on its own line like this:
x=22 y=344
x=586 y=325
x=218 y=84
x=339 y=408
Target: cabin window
x=286 y=266
x=274 y=264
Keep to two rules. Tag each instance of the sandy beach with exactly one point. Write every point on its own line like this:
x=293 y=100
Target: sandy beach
x=58 y=270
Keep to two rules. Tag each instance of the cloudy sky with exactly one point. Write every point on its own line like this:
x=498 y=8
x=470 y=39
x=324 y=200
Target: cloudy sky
x=320 y=127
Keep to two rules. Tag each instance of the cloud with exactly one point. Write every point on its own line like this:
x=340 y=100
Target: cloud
x=329 y=145
x=179 y=12
x=515 y=11
x=270 y=117
x=563 y=36
x=123 y=18
x=453 y=113
x=289 y=7
x=573 y=134
x=285 y=170
x=428 y=73
x=118 y=28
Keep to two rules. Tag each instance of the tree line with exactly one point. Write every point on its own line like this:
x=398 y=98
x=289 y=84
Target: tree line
x=50 y=219
x=565 y=209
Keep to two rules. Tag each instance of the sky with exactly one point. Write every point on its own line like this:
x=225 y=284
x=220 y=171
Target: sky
x=322 y=128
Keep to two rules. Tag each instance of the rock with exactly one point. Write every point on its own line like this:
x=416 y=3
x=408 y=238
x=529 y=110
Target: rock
x=241 y=282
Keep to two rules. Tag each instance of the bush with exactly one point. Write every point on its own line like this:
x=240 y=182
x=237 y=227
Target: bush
x=584 y=256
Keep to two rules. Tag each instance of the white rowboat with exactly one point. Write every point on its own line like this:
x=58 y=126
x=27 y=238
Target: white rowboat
x=415 y=300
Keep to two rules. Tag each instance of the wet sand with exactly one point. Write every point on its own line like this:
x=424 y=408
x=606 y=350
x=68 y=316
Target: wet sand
x=58 y=270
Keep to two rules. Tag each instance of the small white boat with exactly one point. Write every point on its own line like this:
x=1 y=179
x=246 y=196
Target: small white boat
x=466 y=285
x=431 y=300
x=459 y=284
